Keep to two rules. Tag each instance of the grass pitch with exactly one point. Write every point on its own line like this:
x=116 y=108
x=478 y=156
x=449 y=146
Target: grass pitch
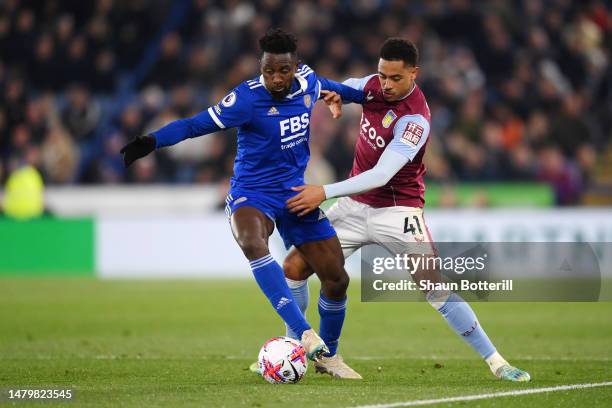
x=189 y=343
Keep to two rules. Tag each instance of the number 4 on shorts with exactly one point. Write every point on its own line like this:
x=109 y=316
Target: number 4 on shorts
x=409 y=226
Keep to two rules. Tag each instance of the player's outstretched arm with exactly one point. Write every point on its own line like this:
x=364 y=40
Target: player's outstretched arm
x=168 y=135
x=335 y=102
x=347 y=93
x=311 y=196
x=231 y=111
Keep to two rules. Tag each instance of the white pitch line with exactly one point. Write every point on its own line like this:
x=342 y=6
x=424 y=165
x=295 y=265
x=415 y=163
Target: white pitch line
x=487 y=396
x=435 y=357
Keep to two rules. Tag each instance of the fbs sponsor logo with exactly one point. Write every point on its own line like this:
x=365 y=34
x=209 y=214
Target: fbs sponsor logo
x=294 y=124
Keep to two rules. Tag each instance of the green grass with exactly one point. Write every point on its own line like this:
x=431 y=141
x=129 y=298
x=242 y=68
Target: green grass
x=188 y=343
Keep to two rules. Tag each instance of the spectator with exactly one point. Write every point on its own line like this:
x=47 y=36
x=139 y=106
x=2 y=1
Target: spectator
x=169 y=69
x=59 y=157
x=81 y=114
x=561 y=175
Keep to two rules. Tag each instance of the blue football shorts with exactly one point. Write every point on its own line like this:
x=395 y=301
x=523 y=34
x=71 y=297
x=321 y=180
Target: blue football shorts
x=294 y=230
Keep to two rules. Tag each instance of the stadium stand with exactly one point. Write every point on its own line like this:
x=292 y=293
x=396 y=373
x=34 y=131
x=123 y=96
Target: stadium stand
x=519 y=91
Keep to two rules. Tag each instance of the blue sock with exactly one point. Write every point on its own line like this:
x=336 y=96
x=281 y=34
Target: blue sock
x=332 y=314
x=299 y=290
x=462 y=319
x=271 y=279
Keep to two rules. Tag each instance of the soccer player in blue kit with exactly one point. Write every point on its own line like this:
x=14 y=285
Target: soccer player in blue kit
x=272 y=113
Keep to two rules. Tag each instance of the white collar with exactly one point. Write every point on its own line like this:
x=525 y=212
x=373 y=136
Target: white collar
x=303 y=86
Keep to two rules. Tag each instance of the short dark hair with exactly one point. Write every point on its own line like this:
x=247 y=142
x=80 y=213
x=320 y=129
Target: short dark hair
x=278 y=41
x=400 y=49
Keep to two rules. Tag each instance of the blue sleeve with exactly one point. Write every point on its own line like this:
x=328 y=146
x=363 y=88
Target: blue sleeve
x=179 y=130
x=358 y=83
x=347 y=93
x=232 y=111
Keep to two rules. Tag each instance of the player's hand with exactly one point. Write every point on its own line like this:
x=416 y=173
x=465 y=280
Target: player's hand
x=334 y=102
x=137 y=148
x=309 y=198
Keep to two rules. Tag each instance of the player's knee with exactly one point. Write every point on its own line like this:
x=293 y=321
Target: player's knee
x=295 y=268
x=342 y=284
x=335 y=287
x=253 y=248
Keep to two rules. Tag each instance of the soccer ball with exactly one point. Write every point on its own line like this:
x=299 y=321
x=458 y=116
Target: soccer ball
x=282 y=360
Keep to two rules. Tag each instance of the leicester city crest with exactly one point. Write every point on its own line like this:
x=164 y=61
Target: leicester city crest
x=388 y=119
x=307 y=100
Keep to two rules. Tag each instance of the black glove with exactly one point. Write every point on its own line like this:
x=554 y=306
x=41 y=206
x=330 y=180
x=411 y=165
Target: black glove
x=137 y=148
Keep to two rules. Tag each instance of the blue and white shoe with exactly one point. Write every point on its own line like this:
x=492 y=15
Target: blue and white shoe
x=510 y=373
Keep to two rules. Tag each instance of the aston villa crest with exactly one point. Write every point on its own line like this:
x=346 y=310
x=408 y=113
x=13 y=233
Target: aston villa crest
x=307 y=100
x=388 y=119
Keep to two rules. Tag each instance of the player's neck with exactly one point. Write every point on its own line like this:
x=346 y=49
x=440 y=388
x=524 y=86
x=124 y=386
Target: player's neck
x=409 y=92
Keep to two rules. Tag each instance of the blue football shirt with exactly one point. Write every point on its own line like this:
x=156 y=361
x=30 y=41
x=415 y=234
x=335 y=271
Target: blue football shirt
x=273 y=134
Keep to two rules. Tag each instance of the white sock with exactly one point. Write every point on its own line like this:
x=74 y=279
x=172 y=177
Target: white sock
x=299 y=290
x=437 y=298
x=495 y=361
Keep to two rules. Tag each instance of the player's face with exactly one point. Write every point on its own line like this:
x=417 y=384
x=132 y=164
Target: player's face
x=278 y=71
x=396 y=79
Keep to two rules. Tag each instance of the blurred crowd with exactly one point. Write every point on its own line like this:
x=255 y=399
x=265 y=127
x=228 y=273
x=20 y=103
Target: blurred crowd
x=519 y=90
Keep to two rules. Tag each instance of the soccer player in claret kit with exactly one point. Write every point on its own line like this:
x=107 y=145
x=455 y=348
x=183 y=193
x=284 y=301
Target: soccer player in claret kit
x=386 y=191
x=272 y=112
